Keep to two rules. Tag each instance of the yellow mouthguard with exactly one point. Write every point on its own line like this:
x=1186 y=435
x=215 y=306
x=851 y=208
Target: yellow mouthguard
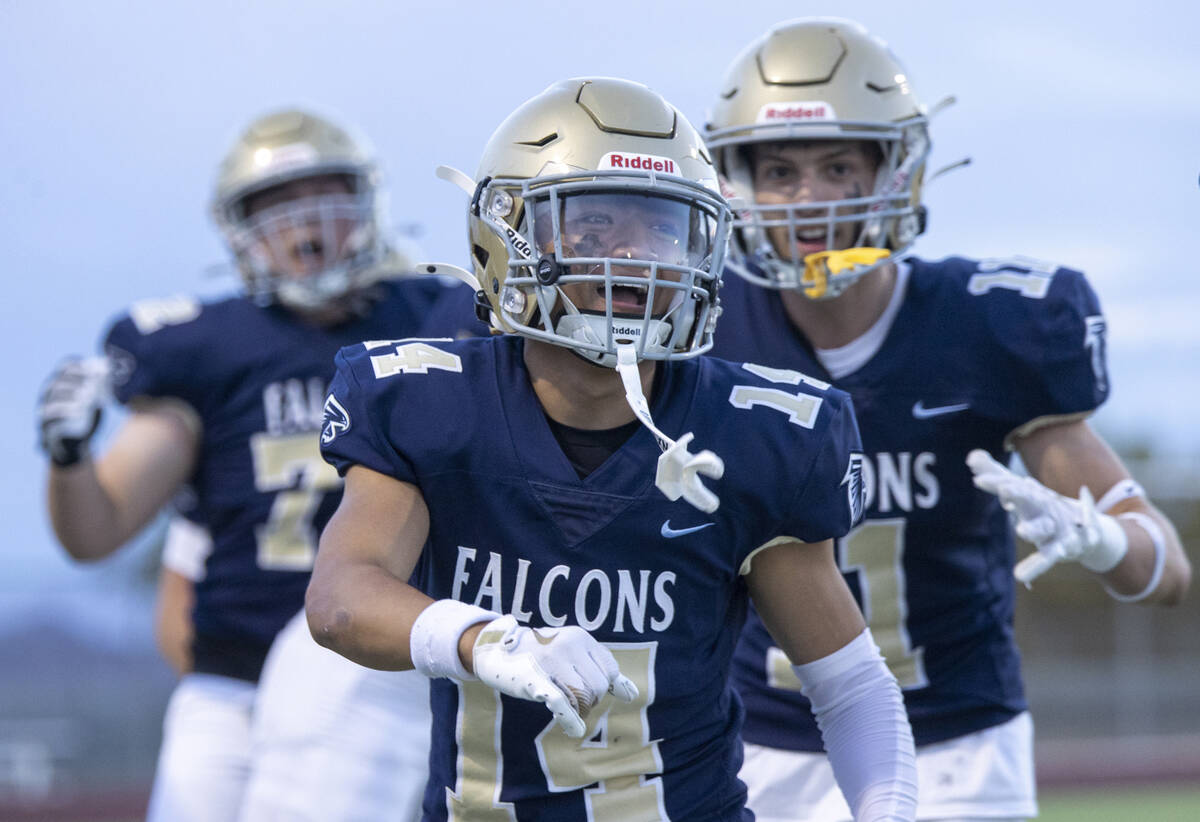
x=819 y=266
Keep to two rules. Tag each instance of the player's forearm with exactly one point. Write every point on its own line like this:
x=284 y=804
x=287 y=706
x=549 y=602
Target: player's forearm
x=97 y=505
x=173 y=620
x=85 y=518
x=1155 y=563
x=364 y=613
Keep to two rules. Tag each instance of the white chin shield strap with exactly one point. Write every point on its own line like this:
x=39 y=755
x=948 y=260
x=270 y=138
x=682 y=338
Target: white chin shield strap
x=679 y=471
x=593 y=329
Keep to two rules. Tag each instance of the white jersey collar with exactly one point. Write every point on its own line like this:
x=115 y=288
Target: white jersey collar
x=854 y=355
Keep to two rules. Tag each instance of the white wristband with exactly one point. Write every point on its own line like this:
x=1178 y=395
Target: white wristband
x=1148 y=525
x=186 y=548
x=1111 y=548
x=433 y=641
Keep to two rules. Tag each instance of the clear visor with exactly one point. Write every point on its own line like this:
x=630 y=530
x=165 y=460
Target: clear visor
x=624 y=226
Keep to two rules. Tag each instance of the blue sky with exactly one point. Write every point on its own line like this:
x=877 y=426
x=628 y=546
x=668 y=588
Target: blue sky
x=1081 y=122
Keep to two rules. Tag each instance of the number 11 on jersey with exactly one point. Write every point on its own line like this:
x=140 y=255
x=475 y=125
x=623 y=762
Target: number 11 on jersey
x=874 y=552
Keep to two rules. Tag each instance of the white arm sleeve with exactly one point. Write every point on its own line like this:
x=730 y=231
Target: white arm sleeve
x=861 y=715
x=186 y=548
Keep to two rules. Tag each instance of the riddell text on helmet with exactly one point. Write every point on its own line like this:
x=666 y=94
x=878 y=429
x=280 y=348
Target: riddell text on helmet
x=800 y=110
x=639 y=162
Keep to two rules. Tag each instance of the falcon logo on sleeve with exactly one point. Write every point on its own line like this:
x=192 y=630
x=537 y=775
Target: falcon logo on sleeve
x=121 y=364
x=856 y=491
x=336 y=420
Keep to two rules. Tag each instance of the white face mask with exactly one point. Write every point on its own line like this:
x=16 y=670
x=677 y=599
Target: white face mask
x=308 y=252
x=606 y=264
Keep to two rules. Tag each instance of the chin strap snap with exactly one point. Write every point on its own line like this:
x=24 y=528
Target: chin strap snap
x=679 y=471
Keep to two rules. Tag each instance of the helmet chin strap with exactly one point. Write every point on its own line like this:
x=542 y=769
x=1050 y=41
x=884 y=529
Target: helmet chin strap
x=679 y=471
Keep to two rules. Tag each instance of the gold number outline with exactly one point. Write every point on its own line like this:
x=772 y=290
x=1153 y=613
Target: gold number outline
x=413 y=358
x=291 y=466
x=616 y=753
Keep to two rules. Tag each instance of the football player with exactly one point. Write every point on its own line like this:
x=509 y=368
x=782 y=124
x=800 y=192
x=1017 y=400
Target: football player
x=226 y=399
x=582 y=573
x=819 y=135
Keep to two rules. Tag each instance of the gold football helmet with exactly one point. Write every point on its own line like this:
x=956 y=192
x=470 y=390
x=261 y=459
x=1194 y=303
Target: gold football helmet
x=298 y=201
x=821 y=79
x=596 y=219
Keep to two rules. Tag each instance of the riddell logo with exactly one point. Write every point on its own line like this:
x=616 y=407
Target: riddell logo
x=518 y=242
x=626 y=331
x=801 y=110
x=639 y=162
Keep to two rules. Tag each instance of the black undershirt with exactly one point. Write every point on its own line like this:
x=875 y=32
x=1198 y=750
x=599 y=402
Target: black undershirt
x=588 y=449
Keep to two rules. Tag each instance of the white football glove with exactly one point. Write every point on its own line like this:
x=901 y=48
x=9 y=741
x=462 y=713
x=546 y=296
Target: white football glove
x=70 y=408
x=1059 y=527
x=566 y=668
x=679 y=473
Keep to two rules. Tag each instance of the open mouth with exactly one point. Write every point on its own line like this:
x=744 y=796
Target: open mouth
x=626 y=298
x=812 y=234
x=309 y=249
x=810 y=240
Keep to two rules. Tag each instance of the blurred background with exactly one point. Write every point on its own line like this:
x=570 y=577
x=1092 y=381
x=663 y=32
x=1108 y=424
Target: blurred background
x=1080 y=120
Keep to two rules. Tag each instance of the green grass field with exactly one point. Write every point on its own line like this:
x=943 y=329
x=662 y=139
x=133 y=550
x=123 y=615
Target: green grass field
x=1158 y=804
x=1168 y=803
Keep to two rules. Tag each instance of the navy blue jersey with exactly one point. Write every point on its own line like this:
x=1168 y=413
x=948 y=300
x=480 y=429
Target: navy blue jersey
x=976 y=350
x=257 y=379
x=514 y=529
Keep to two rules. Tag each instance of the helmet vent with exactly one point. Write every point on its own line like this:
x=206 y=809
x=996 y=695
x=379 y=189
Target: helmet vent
x=545 y=141
x=622 y=107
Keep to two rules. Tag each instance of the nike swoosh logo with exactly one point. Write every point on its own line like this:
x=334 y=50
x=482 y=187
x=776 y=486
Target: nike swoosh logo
x=670 y=533
x=922 y=413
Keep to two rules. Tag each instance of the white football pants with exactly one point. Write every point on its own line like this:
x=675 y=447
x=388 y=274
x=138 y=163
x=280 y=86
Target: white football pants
x=204 y=761
x=334 y=741
x=987 y=775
